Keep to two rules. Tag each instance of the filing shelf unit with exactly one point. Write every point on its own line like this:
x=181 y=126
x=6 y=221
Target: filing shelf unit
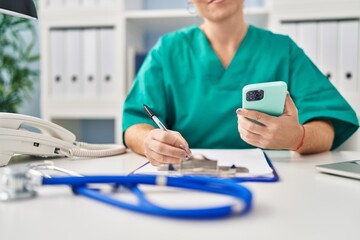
x=324 y=10
x=131 y=22
x=58 y=109
x=320 y=10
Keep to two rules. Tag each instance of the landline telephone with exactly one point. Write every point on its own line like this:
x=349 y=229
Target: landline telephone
x=51 y=140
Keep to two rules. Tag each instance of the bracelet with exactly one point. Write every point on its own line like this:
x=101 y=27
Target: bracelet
x=302 y=140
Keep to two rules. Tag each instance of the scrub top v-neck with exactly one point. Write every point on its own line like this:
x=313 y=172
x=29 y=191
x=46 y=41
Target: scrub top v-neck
x=217 y=73
x=184 y=82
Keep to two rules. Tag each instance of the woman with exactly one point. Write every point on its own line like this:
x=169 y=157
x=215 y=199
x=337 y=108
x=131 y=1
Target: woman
x=193 y=80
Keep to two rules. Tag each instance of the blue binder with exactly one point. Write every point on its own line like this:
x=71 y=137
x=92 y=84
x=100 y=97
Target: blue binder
x=139 y=59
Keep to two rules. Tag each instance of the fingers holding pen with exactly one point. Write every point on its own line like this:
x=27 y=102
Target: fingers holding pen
x=162 y=147
x=157 y=159
x=181 y=142
x=172 y=138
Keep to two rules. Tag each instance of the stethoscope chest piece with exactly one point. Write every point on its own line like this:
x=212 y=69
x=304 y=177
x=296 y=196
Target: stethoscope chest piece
x=16 y=184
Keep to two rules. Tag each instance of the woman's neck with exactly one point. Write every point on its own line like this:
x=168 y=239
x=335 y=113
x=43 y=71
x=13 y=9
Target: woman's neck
x=228 y=33
x=225 y=37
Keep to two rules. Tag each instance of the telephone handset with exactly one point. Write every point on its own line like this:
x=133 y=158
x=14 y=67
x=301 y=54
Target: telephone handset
x=51 y=140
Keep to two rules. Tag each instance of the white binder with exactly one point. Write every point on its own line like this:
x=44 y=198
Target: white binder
x=289 y=29
x=348 y=59
x=73 y=63
x=57 y=62
x=107 y=49
x=90 y=58
x=328 y=49
x=307 y=39
x=131 y=54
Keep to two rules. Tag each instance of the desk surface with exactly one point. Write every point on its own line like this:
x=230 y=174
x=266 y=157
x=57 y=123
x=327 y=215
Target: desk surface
x=305 y=204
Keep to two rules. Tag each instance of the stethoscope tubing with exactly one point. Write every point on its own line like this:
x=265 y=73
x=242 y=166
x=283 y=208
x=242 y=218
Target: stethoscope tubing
x=205 y=184
x=206 y=213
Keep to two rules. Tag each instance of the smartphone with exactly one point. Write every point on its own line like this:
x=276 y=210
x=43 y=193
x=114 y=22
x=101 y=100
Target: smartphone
x=266 y=97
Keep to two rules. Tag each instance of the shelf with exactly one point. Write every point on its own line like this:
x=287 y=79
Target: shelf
x=87 y=18
x=151 y=14
x=181 y=13
x=329 y=6
x=161 y=20
x=133 y=14
x=169 y=20
x=83 y=108
x=79 y=12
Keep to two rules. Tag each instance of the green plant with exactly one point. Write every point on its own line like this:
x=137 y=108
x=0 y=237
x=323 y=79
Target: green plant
x=17 y=58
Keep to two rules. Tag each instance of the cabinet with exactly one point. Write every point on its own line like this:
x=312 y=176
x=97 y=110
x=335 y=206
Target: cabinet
x=134 y=27
x=332 y=40
x=328 y=31
x=76 y=20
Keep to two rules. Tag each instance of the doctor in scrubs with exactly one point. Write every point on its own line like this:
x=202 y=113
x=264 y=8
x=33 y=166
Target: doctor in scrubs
x=193 y=78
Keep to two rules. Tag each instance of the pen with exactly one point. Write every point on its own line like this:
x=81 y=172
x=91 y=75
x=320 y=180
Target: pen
x=154 y=118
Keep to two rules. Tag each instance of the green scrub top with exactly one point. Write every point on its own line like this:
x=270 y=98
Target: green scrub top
x=184 y=82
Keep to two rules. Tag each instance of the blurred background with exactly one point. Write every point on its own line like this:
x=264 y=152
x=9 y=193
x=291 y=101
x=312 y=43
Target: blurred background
x=75 y=65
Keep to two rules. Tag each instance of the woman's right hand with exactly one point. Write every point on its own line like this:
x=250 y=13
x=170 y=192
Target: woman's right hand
x=164 y=147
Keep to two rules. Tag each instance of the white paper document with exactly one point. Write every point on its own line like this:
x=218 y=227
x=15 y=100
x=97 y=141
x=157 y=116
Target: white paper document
x=252 y=159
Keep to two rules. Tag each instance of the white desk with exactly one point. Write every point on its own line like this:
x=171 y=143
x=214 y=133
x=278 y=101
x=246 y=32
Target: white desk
x=303 y=205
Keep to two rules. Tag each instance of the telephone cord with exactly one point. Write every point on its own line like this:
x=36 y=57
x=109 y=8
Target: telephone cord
x=94 y=150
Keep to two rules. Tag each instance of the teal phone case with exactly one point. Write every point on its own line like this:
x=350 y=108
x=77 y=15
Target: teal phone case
x=273 y=97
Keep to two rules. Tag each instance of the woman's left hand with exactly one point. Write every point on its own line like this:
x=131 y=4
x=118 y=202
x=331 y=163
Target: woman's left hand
x=283 y=132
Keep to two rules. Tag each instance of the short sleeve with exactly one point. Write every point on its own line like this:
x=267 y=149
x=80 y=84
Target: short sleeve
x=148 y=88
x=317 y=99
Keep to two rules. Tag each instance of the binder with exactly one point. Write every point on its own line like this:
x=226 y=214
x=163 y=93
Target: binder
x=107 y=49
x=328 y=50
x=130 y=70
x=289 y=29
x=135 y=61
x=90 y=57
x=307 y=39
x=348 y=59
x=57 y=62
x=139 y=59
x=73 y=63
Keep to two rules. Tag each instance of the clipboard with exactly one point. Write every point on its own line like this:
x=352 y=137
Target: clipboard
x=274 y=178
x=260 y=166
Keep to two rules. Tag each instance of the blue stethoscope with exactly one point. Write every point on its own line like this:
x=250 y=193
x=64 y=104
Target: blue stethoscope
x=205 y=184
x=21 y=182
